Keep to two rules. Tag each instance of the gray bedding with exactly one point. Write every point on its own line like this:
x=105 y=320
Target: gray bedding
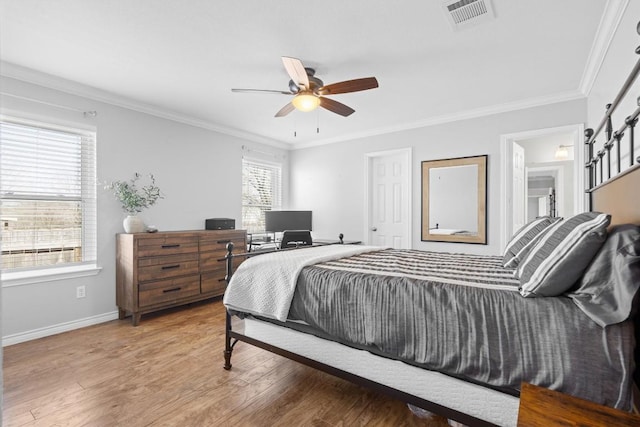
x=462 y=315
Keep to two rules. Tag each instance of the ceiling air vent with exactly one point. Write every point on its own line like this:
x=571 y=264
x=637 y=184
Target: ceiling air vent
x=467 y=13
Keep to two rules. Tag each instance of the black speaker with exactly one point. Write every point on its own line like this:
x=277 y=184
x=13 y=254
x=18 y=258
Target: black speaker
x=220 y=224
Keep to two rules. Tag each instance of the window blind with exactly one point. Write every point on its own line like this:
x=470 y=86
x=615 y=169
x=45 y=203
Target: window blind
x=261 y=191
x=47 y=195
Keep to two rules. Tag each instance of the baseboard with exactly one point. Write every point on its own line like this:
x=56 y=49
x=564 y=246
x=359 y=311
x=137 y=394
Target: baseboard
x=56 y=329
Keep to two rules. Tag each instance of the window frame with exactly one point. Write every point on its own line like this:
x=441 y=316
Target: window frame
x=88 y=199
x=276 y=194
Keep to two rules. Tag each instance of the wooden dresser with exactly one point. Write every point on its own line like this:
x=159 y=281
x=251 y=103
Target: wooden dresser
x=155 y=271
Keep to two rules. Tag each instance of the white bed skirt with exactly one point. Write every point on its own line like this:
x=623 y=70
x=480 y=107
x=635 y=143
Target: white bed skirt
x=477 y=401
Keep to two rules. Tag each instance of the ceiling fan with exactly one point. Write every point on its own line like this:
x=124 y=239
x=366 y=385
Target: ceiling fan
x=309 y=91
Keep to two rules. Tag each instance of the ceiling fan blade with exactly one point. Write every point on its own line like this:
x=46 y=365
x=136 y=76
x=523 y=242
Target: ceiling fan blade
x=283 y=92
x=349 y=86
x=336 y=107
x=285 y=110
x=296 y=71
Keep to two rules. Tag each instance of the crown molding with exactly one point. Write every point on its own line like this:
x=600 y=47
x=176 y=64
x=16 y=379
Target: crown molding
x=49 y=81
x=611 y=17
x=462 y=115
x=73 y=88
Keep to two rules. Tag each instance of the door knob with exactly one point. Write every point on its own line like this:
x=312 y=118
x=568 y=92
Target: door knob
x=374 y=229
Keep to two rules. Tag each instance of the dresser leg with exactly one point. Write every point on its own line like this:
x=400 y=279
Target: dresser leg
x=135 y=319
x=121 y=313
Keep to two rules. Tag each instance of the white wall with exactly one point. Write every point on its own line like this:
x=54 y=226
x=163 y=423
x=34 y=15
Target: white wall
x=543 y=149
x=618 y=63
x=199 y=172
x=330 y=179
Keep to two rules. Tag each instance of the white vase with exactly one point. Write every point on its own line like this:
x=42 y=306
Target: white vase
x=133 y=224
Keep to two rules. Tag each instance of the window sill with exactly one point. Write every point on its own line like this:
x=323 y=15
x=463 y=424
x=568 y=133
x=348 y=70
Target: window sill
x=48 y=275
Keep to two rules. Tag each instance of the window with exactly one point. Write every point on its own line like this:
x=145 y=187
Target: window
x=47 y=195
x=261 y=191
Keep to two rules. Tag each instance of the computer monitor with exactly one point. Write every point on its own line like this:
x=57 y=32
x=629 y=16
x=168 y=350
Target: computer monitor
x=279 y=221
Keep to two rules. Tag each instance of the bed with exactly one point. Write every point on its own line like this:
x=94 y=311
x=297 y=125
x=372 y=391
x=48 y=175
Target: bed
x=457 y=334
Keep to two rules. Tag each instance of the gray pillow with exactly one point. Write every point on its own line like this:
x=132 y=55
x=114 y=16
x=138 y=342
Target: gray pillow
x=559 y=257
x=607 y=290
x=524 y=239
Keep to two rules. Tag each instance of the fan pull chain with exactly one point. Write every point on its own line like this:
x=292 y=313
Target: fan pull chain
x=318 y=121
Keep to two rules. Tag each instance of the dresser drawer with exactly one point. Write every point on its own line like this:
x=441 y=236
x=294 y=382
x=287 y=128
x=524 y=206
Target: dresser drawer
x=220 y=240
x=216 y=261
x=163 y=267
x=213 y=282
x=213 y=249
x=169 y=245
x=164 y=291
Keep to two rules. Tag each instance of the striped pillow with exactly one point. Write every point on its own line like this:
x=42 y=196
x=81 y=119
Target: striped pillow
x=560 y=257
x=524 y=239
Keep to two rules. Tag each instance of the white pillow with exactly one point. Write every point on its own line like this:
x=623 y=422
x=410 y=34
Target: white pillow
x=560 y=257
x=524 y=239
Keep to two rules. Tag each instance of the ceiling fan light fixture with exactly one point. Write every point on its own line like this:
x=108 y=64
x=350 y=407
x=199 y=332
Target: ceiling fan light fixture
x=306 y=101
x=309 y=91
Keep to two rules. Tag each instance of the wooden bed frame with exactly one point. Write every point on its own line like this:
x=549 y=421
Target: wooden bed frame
x=615 y=195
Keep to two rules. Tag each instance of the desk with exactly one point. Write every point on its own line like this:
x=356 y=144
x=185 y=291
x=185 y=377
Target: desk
x=323 y=242
x=268 y=242
x=262 y=241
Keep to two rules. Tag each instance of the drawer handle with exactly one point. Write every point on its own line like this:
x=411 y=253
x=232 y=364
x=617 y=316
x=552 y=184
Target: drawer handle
x=170 y=246
x=169 y=267
x=224 y=241
x=222 y=280
x=221 y=259
x=166 y=291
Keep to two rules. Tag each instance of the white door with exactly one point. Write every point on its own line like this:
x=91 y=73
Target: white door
x=389 y=200
x=519 y=196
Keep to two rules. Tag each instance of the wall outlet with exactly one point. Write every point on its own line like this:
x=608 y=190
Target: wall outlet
x=81 y=292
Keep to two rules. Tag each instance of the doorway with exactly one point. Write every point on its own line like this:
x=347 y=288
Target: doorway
x=553 y=179
x=388 y=198
x=545 y=192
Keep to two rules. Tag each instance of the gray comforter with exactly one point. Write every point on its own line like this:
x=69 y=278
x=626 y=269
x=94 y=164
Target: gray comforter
x=462 y=315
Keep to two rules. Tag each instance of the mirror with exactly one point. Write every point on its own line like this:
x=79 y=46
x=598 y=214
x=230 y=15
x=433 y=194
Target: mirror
x=454 y=200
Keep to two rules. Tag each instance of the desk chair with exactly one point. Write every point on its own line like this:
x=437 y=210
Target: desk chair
x=295 y=238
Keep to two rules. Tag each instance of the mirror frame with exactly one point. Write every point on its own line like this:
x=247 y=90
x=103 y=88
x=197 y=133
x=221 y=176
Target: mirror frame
x=481 y=236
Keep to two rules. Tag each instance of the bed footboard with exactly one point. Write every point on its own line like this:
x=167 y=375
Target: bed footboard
x=228 y=344
x=229 y=341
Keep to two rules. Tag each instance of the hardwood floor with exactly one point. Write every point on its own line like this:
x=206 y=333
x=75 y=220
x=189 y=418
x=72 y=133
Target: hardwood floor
x=168 y=372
